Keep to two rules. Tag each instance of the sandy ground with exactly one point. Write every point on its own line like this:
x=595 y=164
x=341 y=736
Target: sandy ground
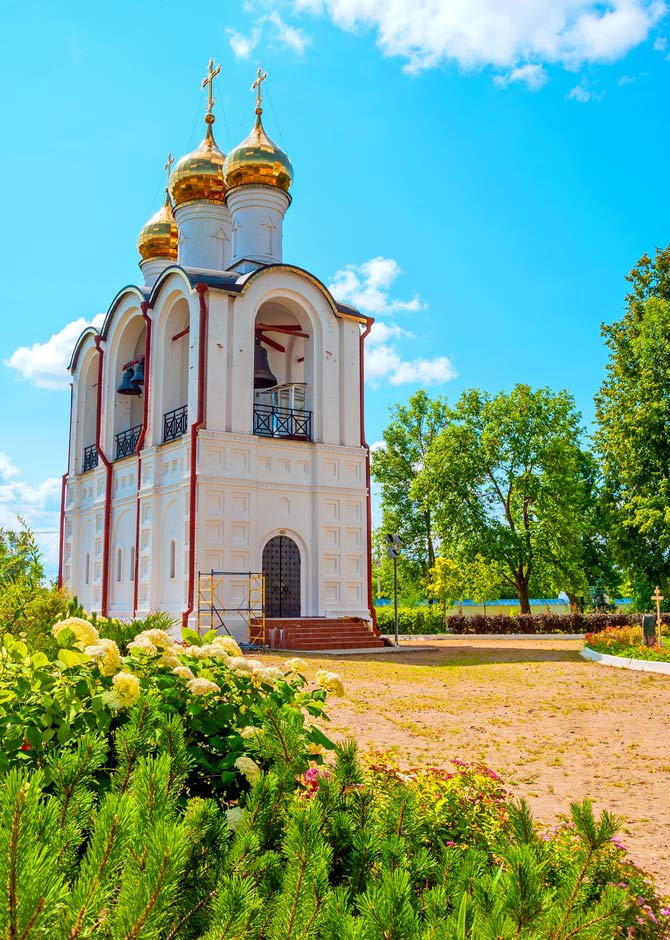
x=555 y=727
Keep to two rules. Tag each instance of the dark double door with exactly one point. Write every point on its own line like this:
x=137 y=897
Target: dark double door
x=281 y=567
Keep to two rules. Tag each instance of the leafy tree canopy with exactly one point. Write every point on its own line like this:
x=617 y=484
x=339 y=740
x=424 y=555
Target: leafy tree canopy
x=395 y=465
x=505 y=480
x=633 y=437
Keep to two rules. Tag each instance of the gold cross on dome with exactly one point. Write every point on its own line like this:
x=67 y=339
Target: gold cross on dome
x=168 y=165
x=209 y=81
x=260 y=78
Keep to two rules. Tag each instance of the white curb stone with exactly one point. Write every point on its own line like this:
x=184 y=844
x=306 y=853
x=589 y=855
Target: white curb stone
x=641 y=665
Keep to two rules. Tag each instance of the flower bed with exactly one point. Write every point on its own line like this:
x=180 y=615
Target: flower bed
x=626 y=642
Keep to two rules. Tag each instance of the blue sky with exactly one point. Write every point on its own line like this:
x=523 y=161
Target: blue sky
x=480 y=177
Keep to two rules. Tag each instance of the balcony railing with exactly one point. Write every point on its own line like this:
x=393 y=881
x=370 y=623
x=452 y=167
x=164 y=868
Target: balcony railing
x=90 y=458
x=126 y=442
x=175 y=423
x=271 y=421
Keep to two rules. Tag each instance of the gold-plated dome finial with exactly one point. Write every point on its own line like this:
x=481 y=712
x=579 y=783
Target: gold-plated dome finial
x=260 y=78
x=258 y=161
x=209 y=82
x=159 y=237
x=198 y=176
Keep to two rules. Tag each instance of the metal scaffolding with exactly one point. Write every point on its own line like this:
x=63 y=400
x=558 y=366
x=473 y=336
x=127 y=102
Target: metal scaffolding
x=213 y=611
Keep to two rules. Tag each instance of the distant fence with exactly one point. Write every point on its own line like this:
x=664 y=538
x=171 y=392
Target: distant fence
x=421 y=621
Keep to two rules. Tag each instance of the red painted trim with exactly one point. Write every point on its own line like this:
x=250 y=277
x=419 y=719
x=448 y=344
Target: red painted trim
x=371 y=607
x=179 y=335
x=195 y=427
x=271 y=342
x=61 y=537
x=140 y=444
x=61 y=531
x=108 y=483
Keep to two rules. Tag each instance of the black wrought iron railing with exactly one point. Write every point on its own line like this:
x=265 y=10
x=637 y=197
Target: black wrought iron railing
x=270 y=421
x=90 y=458
x=126 y=442
x=175 y=423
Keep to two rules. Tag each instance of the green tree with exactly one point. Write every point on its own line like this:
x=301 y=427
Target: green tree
x=504 y=479
x=407 y=440
x=633 y=437
x=453 y=579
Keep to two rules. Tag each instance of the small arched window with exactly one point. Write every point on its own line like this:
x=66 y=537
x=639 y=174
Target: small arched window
x=132 y=563
x=173 y=560
x=88 y=568
x=119 y=564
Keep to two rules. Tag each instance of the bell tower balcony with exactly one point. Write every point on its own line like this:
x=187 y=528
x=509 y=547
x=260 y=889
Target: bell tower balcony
x=280 y=412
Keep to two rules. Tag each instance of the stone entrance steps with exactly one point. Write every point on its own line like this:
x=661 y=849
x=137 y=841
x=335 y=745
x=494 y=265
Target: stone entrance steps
x=316 y=633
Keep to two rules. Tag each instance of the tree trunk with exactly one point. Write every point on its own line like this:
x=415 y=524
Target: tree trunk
x=576 y=603
x=522 y=591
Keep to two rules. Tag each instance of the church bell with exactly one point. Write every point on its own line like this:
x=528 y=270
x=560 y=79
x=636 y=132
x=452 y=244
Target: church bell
x=263 y=377
x=127 y=386
x=138 y=375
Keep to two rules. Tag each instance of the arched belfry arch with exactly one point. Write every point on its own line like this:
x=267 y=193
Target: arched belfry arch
x=282 y=566
x=290 y=338
x=86 y=427
x=171 y=369
x=126 y=343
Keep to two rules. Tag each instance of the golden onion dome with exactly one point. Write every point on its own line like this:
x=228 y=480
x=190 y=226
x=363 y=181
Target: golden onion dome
x=159 y=236
x=258 y=161
x=198 y=177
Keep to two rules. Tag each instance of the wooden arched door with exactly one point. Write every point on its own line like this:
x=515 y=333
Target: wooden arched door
x=281 y=567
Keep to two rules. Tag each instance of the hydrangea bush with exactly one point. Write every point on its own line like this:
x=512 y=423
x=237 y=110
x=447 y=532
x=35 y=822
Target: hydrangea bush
x=220 y=695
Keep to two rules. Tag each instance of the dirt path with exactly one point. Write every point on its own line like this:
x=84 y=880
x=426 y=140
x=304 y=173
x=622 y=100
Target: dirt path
x=555 y=727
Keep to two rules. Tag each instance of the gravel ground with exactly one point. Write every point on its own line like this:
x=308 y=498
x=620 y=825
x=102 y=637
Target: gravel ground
x=555 y=727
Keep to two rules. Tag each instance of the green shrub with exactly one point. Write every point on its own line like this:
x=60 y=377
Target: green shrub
x=344 y=853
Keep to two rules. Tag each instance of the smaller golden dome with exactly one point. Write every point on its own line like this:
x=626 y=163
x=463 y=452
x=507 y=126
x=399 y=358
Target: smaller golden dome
x=199 y=175
x=159 y=236
x=257 y=161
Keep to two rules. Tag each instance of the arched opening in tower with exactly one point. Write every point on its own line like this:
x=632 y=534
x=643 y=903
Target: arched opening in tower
x=283 y=371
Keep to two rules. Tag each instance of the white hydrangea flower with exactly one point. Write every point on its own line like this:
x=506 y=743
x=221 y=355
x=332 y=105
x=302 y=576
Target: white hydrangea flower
x=330 y=681
x=202 y=686
x=295 y=665
x=228 y=645
x=183 y=672
x=234 y=817
x=248 y=768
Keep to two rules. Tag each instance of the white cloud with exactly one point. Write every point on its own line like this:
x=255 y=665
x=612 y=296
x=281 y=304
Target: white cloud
x=367 y=285
x=627 y=80
x=7 y=468
x=288 y=36
x=243 y=46
x=583 y=94
x=532 y=76
x=383 y=332
x=503 y=34
x=282 y=33
x=45 y=364
x=660 y=44
x=383 y=362
x=38 y=504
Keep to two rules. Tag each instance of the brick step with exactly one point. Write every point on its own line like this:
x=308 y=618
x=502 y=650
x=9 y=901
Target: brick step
x=332 y=645
x=313 y=635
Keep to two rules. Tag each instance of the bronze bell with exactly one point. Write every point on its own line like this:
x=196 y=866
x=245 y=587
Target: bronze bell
x=127 y=386
x=263 y=377
x=138 y=376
